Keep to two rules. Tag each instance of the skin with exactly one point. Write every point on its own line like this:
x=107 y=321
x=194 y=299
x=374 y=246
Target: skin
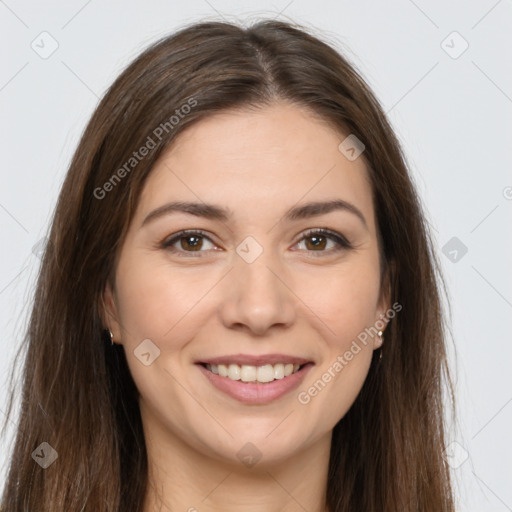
x=294 y=298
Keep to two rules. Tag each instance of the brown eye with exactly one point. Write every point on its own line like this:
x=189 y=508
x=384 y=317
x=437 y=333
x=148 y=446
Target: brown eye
x=191 y=242
x=317 y=241
x=187 y=242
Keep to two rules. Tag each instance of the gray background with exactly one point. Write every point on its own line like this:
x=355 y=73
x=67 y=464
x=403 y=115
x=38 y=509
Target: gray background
x=449 y=108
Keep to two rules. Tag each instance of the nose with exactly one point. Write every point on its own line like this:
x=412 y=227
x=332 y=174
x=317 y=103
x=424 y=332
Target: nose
x=257 y=297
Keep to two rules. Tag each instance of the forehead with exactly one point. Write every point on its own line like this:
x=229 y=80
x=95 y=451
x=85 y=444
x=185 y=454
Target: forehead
x=259 y=162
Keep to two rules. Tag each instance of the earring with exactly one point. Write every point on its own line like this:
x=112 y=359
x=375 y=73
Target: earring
x=111 y=336
x=380 y=346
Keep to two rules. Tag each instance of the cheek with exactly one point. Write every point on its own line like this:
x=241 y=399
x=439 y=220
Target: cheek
x=345 y=300
x=346 y=384
x=158 y=305
x=153 y=300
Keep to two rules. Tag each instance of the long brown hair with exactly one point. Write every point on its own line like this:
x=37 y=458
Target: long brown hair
x=77 y=393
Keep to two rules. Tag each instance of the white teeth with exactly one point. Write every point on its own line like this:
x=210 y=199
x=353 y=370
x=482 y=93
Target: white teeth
x=265 y=373
x=234 y=372
x=278 y=371
x=247 y=373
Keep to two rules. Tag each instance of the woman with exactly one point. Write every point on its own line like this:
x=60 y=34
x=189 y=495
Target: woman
x=239 y=303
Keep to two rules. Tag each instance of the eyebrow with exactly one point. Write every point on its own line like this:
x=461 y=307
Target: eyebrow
x=214 y=212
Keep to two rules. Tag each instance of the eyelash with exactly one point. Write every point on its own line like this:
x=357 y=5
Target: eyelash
x=343 y=243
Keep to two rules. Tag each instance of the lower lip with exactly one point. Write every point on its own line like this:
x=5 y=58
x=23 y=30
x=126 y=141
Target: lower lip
x=253 y=392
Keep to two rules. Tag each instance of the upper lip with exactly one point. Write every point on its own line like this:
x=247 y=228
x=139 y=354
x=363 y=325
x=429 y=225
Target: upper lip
x=250 y=360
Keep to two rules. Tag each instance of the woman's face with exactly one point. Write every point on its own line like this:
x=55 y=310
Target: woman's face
x=253 y=293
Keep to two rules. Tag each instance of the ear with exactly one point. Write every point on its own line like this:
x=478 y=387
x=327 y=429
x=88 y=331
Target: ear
x=108 y=313
x=385 y=300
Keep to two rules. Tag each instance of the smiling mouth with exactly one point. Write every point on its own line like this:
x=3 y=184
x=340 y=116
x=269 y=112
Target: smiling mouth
x=260 y=374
